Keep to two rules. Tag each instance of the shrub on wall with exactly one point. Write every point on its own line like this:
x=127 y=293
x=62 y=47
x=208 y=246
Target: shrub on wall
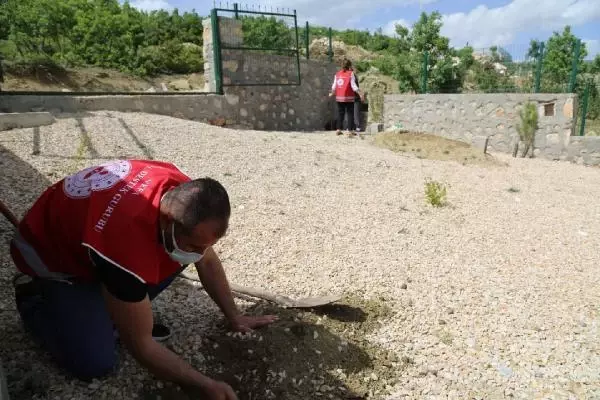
x=527 y=126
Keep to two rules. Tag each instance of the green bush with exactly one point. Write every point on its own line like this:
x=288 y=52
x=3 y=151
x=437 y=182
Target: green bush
x=170 y=58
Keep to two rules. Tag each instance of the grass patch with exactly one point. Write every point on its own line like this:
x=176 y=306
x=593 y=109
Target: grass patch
x=433 y=147
x=435 y=193
x=321 y=353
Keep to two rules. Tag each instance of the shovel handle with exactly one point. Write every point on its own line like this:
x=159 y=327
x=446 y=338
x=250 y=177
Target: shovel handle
x=8 y=214
x=261 y=294
x=252 y=292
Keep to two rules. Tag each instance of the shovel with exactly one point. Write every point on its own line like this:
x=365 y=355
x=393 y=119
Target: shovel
x=283 y=301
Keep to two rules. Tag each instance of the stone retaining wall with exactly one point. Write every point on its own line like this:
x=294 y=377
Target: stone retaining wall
x=251 y=108
x=472 y=118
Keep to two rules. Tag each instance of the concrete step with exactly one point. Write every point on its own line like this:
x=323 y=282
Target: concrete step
x=24 y=120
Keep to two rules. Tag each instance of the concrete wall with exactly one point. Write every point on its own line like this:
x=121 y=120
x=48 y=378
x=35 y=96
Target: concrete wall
x=472 y=118
x=24 y=120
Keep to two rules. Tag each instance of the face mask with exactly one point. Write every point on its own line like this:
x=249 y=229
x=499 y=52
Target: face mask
x=178 y=255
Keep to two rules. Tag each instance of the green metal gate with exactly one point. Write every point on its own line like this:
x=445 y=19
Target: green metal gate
x=255 y=47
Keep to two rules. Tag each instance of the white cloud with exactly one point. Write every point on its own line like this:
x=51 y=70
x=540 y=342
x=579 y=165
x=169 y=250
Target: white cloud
x=341 y=15
x=151 y=5
x=593 y=48
x=390 y=27
x=483 y=26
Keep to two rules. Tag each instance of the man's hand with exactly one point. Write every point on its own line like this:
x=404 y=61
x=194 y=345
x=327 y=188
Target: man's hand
x=246 y=323
x=220 y=391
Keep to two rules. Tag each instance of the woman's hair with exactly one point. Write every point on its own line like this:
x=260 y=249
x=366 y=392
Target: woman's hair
x=346 y=64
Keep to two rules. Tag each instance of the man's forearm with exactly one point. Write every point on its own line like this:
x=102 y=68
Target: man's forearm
x=214 y=280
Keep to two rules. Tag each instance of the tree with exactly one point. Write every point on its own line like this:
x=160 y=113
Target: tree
x=99 y=32
x=558 y=58
x=446 y=66
x=528 y=126
x=267 y=33
x=594 y=67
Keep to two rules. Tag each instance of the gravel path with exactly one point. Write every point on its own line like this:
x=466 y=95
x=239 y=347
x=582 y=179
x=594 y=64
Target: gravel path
x=494 y=296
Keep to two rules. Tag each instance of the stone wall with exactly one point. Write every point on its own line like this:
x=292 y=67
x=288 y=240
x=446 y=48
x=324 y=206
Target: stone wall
x=583 y=150
x=244 y=67
x=472 y=118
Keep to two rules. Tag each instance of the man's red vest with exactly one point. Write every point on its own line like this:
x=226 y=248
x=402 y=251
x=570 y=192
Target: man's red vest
x=112 y=208
x=343 y=87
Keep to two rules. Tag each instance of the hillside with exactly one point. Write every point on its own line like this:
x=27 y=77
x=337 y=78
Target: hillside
x=95 y=79
x=86 y=79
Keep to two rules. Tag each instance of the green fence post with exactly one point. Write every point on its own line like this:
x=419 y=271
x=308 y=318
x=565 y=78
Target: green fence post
x=586 y=97
x=330 y=49
x=576 y=53
x=216 y=37
x=306 y=39
x=425 y=72
x=538 y=71
x=235 y=9
x=297 y=48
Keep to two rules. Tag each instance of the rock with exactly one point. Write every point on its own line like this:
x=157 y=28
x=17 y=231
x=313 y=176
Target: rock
x=404 y=286
x=180 y=84
x=374 y=128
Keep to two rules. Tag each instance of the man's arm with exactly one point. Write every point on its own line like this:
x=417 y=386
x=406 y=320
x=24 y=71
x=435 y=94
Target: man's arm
x=213 y=278
x=211 y=274
x=134 y=322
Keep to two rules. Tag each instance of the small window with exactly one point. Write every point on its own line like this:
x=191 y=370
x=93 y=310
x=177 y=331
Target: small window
x=549 y=110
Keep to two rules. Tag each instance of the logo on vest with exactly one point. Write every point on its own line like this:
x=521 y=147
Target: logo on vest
x=101 y=177
x=340 y=82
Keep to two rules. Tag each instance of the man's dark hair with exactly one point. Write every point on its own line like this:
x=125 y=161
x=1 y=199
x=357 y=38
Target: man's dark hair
x=196 y=201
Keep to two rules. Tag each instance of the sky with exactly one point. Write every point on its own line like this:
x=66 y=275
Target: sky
x=479 y=23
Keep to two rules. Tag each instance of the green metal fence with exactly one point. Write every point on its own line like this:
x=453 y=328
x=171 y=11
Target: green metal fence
x=588 y=120
x=255 y=47
x=512 y=69
x=316 y=42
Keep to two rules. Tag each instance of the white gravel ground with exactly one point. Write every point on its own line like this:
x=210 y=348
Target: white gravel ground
x=502 y=288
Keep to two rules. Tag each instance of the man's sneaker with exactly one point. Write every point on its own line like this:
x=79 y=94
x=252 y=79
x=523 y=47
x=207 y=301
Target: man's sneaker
x=339 y=132
x=160 y=333
x=25 y=285
x=21 y=279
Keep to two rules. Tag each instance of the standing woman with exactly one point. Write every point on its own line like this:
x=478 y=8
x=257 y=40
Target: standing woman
x=345 y=89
